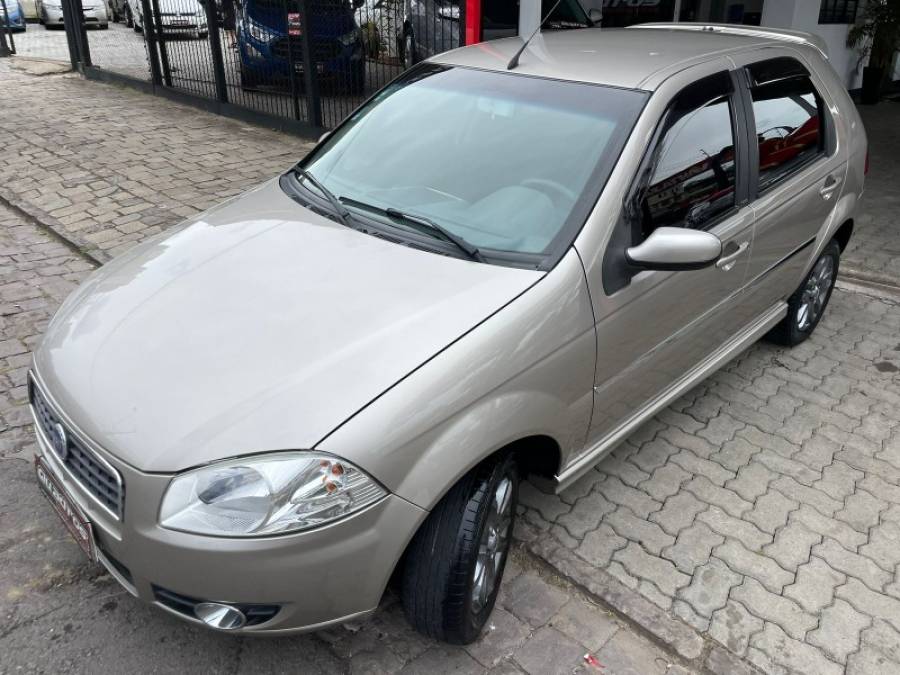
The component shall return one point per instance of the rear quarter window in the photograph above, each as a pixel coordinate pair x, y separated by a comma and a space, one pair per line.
789, 116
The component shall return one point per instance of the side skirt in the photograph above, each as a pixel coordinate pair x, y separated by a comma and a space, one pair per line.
716, 360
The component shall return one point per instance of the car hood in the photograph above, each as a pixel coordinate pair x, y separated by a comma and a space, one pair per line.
257, 326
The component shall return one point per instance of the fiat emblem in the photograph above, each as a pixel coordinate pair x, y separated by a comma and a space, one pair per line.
60, 442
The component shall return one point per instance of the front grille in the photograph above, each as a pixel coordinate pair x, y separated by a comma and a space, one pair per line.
322, 50
183, 604
93, 474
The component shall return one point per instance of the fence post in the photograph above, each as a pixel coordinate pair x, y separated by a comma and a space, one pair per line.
156, 24
76, 12
6, 48
310, 74
215, 45
150, 44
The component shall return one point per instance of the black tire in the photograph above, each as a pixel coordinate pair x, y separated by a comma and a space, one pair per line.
248, 80
358, 78
439, 574
804, 311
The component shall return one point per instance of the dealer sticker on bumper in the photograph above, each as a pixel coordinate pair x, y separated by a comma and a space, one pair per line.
79, 526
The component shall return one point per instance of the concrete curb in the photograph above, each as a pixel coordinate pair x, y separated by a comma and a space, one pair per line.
50, 224
699, 653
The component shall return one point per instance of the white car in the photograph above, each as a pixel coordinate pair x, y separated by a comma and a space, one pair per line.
178, 17
51, 15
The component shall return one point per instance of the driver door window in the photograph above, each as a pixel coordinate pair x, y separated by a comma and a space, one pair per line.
693, 181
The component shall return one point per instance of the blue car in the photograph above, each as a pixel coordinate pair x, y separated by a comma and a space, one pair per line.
270, 42
16, 16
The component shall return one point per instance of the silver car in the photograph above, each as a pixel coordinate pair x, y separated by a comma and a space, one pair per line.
50, 13
490, 271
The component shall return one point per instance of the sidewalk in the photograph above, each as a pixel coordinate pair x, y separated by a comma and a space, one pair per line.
755, 521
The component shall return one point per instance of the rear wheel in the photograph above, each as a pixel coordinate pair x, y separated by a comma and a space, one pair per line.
455, 562
807, 305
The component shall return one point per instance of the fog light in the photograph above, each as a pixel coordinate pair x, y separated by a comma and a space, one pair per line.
217, 615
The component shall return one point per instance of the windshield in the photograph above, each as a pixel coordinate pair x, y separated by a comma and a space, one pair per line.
507, 162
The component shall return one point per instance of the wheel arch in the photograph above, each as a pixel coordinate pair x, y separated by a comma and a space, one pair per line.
843, 233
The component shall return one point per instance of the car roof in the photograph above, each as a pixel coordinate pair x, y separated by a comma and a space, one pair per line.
635, 58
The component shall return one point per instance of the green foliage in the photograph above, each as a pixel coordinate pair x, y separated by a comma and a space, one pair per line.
877, 33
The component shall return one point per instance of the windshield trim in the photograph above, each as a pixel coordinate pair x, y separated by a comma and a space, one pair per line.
571, 228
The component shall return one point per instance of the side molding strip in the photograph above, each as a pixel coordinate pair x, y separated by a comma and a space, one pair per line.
706, 368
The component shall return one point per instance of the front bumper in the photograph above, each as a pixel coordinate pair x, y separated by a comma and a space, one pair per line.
315, 578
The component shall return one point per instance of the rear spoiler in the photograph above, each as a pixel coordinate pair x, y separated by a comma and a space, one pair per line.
782, 34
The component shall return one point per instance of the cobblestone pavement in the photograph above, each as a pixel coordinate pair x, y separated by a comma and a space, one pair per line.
762, 509
60, 613
874, 250
118, 48
109, 166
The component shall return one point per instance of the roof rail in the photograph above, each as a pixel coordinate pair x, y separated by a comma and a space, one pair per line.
783, 34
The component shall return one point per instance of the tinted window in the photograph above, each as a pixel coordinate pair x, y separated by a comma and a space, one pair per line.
788, 114
693, 179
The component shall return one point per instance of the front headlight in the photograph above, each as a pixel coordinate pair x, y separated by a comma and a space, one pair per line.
266, 494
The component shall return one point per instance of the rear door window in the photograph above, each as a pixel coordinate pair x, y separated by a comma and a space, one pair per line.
789, 118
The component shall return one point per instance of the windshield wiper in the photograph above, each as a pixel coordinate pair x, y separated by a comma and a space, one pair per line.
340, 210
466, 247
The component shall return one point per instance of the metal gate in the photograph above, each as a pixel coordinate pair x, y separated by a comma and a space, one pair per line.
306, 62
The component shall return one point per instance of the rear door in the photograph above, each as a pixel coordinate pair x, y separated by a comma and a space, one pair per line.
798, 171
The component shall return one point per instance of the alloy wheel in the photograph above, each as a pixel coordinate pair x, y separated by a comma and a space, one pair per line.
493, 545
815, 294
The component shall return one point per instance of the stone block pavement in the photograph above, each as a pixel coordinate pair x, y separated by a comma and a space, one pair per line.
754, 524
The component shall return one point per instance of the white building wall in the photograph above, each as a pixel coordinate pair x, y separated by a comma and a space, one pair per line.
804, 15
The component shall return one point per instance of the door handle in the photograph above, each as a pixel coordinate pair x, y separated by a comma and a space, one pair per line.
727, 262
832, 183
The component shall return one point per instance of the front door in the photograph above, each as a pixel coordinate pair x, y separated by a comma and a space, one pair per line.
657, 327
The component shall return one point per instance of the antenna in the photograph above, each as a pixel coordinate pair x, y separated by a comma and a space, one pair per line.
514, 61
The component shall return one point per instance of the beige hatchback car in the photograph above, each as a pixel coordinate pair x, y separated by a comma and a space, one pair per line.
489, 271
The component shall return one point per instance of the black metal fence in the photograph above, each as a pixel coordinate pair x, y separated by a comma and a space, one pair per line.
310, 62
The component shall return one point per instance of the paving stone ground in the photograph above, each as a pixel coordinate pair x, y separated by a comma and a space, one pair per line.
875, 247
762, 510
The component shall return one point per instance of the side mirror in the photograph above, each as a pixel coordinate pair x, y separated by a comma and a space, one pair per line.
675, 248
596, 16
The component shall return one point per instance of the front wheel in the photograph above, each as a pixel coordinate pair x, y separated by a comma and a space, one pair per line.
807, 305
455, 561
